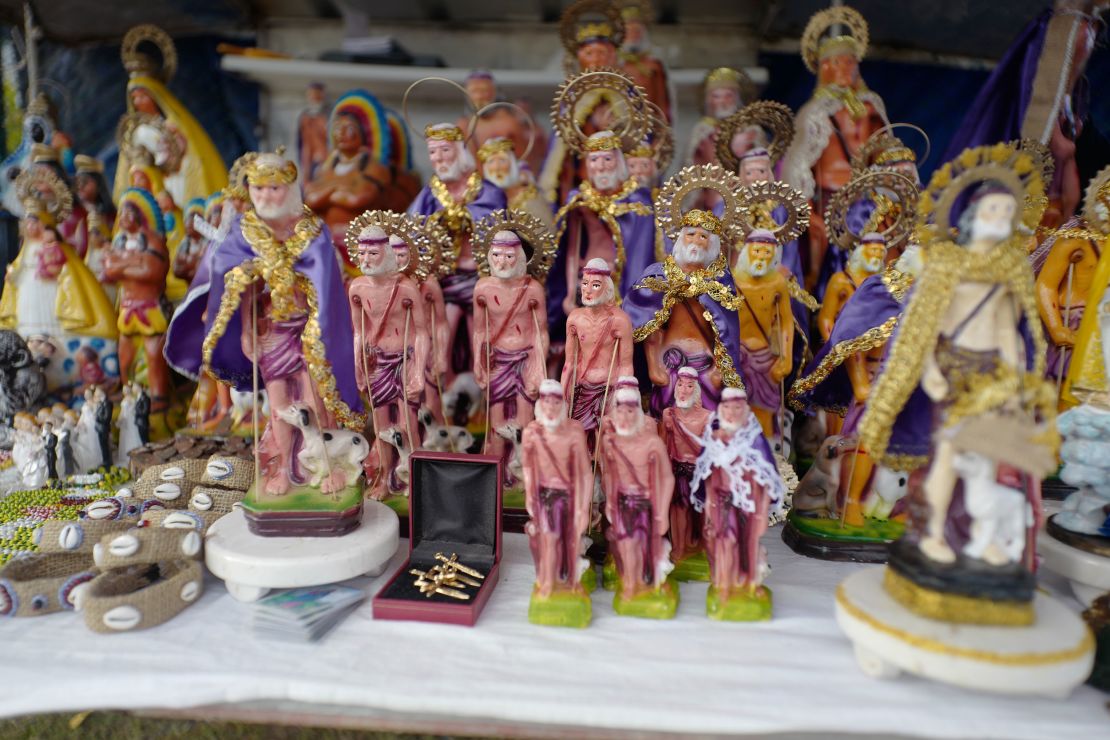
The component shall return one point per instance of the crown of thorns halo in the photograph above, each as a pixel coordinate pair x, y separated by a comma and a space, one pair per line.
421, 259
822, 21
568, 25
1013, 169
884, 140
768, 115
1098, 189
531, 231
782, 194
869, 186
636, 117
668, 204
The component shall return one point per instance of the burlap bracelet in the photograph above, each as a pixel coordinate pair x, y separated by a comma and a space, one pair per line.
43, 583
214, 500
171, 483
228, 472
147, 545
77, 536
140, 596
180, 519
120, 507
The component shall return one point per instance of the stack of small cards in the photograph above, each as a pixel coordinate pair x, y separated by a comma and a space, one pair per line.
304, 613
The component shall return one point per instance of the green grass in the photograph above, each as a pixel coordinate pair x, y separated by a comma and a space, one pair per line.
305, 498
741, 606
873, 530
561, 609
125, 726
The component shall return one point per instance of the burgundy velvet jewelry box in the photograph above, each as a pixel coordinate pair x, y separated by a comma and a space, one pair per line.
454, 508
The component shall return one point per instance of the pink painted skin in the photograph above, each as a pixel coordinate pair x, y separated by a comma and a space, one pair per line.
556, 458
516, 307
597, 54
681, 428
722, 546
643, 169
436, 312
636, 464
381, 305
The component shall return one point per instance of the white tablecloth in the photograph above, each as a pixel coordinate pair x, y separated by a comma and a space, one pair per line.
692, 675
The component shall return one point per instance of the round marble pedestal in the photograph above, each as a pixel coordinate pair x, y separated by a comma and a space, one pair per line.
1087, 572
1049, 658
251, 565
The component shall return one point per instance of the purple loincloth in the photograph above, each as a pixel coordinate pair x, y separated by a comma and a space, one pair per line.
634, 523
458, 288
386, 382
556, 518
588, 398
280, 353
1057, 361
662, 397
851, 419
506, 380
755, 367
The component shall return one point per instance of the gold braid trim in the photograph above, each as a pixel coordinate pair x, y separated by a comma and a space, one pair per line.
848, 97
947, 265
897, 282
526, 194
319, 368
868, 340
608, 209
274, 266
453, 214
1077, 233
680, 286
801, 295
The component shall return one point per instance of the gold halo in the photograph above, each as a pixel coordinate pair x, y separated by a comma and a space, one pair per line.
767, 114
507, 104
637, 119
882, 140
441, 244
130, 54
668, 204
1040, 154
1015, 170
34, 181
796, 205
395, 224
568, 24
1098, 189
529, 228
420, 132
821, 21
862, 187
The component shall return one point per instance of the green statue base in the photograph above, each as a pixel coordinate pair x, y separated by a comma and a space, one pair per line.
564, 608
660, 603
693, 567
304, 511
742, 605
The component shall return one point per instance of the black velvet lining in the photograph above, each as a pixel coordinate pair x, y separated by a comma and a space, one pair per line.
454, 508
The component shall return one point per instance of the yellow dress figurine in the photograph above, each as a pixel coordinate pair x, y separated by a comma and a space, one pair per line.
191, 164
1087, 372
50, 296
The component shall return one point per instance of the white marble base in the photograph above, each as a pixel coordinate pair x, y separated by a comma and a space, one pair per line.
1088, 573
252, 565
1049, 658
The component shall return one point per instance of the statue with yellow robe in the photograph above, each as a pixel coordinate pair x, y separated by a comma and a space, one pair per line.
192, 167
50, 297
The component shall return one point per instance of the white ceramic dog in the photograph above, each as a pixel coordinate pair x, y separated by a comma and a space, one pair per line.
332, 457
999, 514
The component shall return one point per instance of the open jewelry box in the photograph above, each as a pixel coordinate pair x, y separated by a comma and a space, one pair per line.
454, 508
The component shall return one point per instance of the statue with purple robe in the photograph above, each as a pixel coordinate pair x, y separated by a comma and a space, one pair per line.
684, 309
456, 198
271, 321
1037, 92
962, 394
